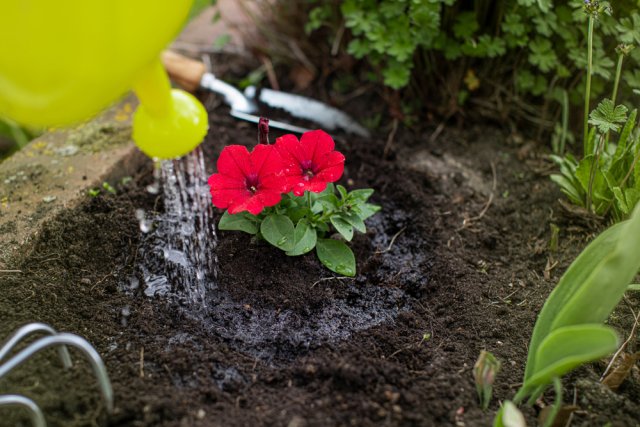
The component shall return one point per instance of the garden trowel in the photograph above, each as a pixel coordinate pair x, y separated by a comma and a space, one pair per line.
191, 75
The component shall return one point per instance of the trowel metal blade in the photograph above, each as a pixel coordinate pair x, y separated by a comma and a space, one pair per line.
272, 123
306, 108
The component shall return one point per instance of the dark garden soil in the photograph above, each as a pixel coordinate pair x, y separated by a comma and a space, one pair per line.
458, 261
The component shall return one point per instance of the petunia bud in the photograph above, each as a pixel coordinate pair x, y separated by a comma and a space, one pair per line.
263, 131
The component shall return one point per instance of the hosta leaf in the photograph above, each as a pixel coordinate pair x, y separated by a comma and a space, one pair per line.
592, 285
566, 348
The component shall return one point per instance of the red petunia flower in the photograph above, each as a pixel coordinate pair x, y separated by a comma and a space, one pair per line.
311, 163
247, 181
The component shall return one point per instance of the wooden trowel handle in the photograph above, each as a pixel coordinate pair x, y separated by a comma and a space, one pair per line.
186, 72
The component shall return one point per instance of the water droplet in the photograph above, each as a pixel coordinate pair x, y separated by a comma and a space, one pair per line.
145, 225
153, 188
282, 241
328, 264
306, 249
126, 312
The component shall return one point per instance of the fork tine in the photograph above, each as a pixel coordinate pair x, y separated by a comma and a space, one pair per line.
81, 344
37, 417
29, 329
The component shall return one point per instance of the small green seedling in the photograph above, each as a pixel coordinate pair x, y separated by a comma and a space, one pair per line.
109, 188
484, 373
570, 331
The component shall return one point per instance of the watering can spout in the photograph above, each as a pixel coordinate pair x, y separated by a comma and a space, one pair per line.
169, 123
63, 62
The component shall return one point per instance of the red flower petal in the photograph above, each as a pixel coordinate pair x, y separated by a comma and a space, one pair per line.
315, 144
332, 169
235, 161
290, 149
226, 190
265, 160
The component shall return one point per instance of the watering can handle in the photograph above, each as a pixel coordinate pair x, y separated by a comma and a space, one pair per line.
184, 71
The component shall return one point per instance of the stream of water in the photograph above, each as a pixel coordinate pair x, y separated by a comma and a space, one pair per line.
178, 256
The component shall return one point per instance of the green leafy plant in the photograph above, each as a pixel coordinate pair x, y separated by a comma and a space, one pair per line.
284, 194
523, 51
297, 225
569, 330
604, 181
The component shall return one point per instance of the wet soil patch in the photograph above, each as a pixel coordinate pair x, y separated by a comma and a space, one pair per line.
454, 264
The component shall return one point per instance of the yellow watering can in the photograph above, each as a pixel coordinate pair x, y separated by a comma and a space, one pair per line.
62, 61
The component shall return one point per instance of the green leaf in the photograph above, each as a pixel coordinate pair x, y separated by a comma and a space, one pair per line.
583, 173
336, 256
621, 201
396, 75
366, 210
466, 25
304, 237
567, 187
242, 221
568, 347
342, 227
624, 135
592, 285
343, 192
354, 220
542, 54
607, 117
629, 29
362, 194
279, 231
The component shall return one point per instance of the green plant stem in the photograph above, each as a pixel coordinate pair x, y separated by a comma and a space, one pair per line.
616, 82
587, 92
557, 404
565, 121
592, 172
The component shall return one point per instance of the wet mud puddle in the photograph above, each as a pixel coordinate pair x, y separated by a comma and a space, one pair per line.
177, 263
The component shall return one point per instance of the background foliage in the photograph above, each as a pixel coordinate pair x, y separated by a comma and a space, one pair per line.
508, 57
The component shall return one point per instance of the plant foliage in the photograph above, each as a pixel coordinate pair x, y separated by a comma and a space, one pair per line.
518, 49
569, 331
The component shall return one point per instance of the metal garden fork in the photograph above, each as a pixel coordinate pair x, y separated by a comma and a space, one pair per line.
53, 338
